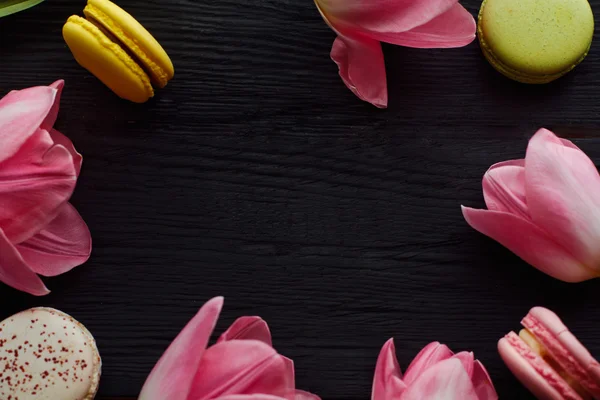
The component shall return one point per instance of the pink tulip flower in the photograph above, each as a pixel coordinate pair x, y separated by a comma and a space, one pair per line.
361, 25
40, 232
242, 365
435, 373
545, 208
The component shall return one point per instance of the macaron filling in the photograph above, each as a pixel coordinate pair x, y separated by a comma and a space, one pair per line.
119, 36
562, 345
539, 349
90, 17
108, 41
537, 366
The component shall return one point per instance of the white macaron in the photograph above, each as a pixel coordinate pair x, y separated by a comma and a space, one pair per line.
46, 354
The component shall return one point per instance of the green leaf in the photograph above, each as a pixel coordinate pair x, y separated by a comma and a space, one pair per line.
8, 7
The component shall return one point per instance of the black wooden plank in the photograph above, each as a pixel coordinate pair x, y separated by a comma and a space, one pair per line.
257, 175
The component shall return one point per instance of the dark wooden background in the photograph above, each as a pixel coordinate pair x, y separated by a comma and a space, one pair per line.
258, 176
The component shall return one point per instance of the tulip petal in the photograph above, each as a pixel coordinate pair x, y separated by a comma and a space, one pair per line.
302, 395
64, 141
249, 397
296, 394
15, 272
529, 242
504, 188
61, 246
58, 137
446, 380
289, 371
431, 354
53, 113
173, 375
467, 360
568, 143
21, 114
483, 383
387, 383
34, 183
375, 17
299, 395
362, 68
241, 367
563, 195
454, 28
248, 328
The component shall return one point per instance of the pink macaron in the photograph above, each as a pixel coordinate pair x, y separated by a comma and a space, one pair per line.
549, 360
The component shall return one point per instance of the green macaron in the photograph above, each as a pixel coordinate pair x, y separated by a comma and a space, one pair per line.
535, 41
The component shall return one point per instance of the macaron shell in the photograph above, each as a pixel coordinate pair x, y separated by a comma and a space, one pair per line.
513, 73
94, 51
135, 37
532, 371
564, 347
535, 41
47, 355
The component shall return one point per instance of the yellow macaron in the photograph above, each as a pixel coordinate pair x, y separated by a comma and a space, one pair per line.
535, 41
118, 50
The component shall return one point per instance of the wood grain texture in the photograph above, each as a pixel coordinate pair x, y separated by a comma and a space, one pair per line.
258, 176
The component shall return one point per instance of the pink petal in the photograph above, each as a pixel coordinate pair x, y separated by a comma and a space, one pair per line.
387, 383
62, 245
362, 68
563, 195
64, 141
467, 360
173, 375
53, 114
483, 383
454, 28
21, 114
249, 397
296, 394
446, 380
431, 354
529, 242
241, 367
568, 143
15, 272
248, 328
504, 188
376, 17
34, 183
302, 395
289, 371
